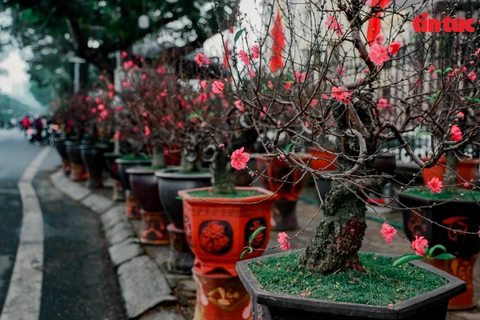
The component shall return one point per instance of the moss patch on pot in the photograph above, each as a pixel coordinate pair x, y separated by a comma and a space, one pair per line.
237, 194
136, 157
458, 194
380, 285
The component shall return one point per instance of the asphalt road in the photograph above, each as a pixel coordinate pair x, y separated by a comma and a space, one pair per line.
78, 279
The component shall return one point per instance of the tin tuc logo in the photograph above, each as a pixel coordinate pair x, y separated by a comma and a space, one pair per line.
422, 23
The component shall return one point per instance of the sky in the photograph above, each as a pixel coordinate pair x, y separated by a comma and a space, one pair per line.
16, 84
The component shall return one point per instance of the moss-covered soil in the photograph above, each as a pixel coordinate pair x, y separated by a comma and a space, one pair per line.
380, 285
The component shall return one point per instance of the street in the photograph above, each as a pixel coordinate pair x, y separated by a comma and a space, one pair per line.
76, 278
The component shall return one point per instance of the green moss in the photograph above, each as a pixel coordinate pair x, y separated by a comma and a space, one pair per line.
132, 157
380, 285
237, 194
468, 195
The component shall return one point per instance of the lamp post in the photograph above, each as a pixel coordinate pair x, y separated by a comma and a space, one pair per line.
76, 72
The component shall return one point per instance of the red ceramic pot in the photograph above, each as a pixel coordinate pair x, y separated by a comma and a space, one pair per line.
466, 169
218, 229
326, 160
221, 296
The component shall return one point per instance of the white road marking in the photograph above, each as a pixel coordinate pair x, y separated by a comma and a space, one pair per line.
24, 292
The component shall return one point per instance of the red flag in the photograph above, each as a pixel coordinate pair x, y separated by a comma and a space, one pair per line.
276, 62
374, 26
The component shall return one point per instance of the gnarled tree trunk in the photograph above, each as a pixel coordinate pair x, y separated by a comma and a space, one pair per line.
158, 160
223, 175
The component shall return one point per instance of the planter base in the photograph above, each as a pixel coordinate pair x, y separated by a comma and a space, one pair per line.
154, 228
78, 173
95, 179
66, 166
221, 296
133, 208
118, 194
462, 269
181, 257
284, 215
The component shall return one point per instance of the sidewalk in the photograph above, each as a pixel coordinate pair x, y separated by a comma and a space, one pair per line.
152, 293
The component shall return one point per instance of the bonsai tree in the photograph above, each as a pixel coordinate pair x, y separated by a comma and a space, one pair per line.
342, 77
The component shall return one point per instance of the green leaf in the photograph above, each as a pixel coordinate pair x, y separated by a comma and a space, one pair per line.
444, 256
254, 234
406, 258
476, 99
430, 99
290, 78
195, 114
264, 87
179, 198
414, 36
242, 254
448, 70
437, 71
238, 35
435, 247
467, 97
288, 147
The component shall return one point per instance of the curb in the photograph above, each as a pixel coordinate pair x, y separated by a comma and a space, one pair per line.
142, 283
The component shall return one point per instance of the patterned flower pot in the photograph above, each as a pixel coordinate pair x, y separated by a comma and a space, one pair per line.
112, 168
221, 296
78, 171
124, 163
62, 151
169, 182
92, 156
276, 306
466, 169
218, 228
154, 220
454, 214
284, 208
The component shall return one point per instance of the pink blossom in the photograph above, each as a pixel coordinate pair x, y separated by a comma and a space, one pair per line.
110, 86
431, 68
477, 53
203, 84
464, 69
270, 84
239, 159
388, 232
128, 64
111, 95
244, 57
394, 47
179, 125
435, 185
314, 102
160, 70
460, 115
472, 76
378, 55
147, 131
455, 133
419, 245
144, 76
383, 103
200, 59
117, 135
305, 294
339, 94
283, 241
288, 85
94, 110
333, 24
251, 73
255, 52
340, 71
124, 54
126, 84
299, 76
218, 86
239, 105
324, 96
101, 107
379, 39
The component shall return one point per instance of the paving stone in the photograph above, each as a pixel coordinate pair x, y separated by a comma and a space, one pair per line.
113, 216
97, 203
188, 285
119, 232
163, 315
72, 189
125, 251
466, 315
143, 286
